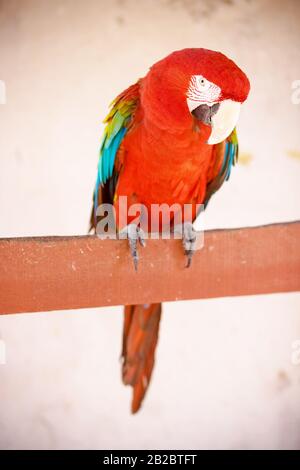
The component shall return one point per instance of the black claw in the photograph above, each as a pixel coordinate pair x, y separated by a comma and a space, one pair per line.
135, 262
135, 256
133, 239
189, 256
142, 242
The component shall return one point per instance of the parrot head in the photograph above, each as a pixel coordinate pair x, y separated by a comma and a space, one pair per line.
196, 84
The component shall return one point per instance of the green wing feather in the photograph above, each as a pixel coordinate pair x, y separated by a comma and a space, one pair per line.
117, 123
229, 160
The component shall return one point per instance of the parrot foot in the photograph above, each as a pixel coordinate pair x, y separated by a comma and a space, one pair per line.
189, 240
134, 234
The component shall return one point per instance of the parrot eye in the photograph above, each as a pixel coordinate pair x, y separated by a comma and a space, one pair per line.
202, 83
203, 91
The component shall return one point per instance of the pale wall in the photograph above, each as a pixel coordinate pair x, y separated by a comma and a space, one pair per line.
224, 376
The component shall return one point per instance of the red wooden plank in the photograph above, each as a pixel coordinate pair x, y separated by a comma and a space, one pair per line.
54, 273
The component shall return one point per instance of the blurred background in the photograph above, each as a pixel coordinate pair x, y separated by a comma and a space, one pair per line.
224, 375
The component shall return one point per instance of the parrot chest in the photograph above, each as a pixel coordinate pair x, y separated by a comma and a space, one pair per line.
168, 169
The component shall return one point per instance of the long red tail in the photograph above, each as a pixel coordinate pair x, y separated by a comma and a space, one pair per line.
141, 325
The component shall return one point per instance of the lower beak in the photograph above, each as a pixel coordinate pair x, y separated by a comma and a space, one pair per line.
222, 117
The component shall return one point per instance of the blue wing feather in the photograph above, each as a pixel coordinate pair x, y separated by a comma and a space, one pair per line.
107, 160
229, 160
115, 130
118, 121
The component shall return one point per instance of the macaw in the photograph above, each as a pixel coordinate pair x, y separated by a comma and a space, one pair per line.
169, 138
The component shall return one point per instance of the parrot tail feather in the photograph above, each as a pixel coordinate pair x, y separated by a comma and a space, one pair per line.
141, 325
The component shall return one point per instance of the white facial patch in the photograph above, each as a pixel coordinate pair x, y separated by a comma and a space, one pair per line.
201, 91
223, 121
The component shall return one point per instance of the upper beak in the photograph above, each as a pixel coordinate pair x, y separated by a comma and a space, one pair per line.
222, 117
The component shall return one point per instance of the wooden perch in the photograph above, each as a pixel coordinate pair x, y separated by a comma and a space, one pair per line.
58, 273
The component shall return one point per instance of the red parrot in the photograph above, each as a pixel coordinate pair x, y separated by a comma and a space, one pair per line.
169, 139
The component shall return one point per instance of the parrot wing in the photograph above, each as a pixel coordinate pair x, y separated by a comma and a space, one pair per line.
226, 156
119, 120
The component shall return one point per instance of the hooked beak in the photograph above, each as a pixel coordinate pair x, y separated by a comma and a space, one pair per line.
222, 117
